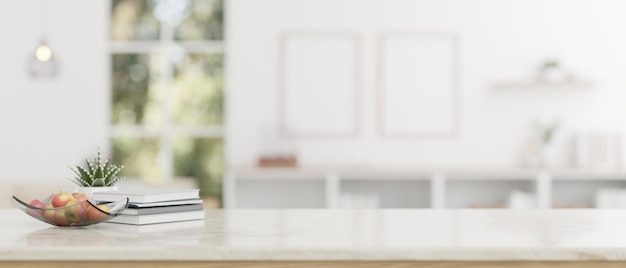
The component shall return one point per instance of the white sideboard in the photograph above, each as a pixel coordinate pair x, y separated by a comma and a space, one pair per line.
422, 188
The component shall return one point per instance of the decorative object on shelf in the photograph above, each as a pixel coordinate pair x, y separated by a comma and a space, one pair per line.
274, 151
549, 75
521, 200
552, 72
536, 151
97, 176
610, 198
67, 210
598, 150
278, 161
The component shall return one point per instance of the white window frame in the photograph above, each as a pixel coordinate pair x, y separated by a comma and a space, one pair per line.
167, 130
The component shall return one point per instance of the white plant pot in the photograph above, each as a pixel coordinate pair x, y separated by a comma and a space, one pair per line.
90, 190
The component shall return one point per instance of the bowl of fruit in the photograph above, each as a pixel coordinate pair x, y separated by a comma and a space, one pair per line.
71, 209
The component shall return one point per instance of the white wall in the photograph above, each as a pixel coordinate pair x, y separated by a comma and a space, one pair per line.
500, 40
47, 125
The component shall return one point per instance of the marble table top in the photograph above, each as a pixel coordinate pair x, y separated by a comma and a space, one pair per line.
330, 235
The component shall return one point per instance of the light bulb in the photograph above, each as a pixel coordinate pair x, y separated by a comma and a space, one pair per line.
43, 53
43, 64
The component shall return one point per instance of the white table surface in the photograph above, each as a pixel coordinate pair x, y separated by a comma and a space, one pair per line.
324, 235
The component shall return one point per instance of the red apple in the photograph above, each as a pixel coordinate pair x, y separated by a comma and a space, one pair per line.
38, 204
76, 211
61, 199
96, 215
80, 196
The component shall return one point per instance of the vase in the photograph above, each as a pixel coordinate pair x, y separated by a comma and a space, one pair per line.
91, 190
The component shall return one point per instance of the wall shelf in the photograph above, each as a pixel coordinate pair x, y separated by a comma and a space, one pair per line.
538, 85
406, 188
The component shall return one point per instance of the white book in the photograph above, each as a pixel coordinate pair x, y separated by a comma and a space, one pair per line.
158, 218
166, 203
146, 195
161, 209
125, 230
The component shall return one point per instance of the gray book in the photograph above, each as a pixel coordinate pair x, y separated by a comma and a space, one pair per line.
162, 209
166, 203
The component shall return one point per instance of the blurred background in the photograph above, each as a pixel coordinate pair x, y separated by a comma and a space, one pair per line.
320, 103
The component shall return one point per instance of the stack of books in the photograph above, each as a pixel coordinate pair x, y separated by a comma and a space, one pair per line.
150, 206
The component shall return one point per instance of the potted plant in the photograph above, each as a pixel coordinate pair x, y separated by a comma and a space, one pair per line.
96, 176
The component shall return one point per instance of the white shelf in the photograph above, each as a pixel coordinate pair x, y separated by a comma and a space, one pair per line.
377, 177
589, 176
412, 188
280, 194
282, 177
537, 85
390, 193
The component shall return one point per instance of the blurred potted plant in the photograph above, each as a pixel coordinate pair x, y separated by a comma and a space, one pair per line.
552, 72
537, 149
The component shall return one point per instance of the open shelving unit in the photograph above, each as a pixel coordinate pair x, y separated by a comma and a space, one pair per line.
405, 188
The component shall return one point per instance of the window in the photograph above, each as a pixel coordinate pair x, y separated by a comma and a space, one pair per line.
167, 90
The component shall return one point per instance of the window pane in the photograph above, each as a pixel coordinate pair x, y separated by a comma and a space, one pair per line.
201, 160
140, 157
198, 95
203, 22
133, 20
135, 90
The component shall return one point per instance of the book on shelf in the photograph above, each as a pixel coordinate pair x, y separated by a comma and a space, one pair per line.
147, 195
159, 218
161, 209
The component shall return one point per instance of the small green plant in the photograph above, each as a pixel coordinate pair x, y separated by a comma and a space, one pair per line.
96, 173
546, 132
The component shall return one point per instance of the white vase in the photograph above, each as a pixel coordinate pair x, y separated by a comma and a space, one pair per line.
90, 190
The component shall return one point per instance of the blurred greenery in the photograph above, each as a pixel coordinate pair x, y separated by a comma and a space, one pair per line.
196, 97
135, 94
204, 21
140, 157
202, 159
133, 20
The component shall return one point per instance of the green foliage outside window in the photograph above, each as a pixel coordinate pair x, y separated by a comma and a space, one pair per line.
195, 94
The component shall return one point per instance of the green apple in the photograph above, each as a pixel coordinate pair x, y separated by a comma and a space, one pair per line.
76, 211
60, 218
